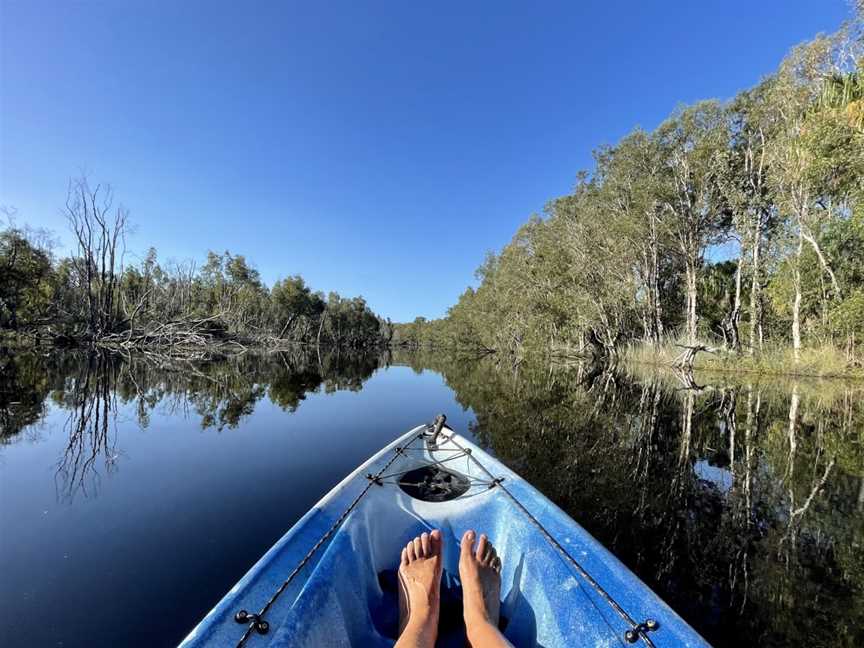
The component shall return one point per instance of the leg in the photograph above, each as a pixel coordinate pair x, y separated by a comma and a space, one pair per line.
480, 572
420, 591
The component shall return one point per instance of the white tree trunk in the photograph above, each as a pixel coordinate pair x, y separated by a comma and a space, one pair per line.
796, 304
755, 315
823, 261
691, 302
655, 282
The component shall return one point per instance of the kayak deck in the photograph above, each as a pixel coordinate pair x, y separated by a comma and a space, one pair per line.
344, 593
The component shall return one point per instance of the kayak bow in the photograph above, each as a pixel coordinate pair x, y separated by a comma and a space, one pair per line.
330, 581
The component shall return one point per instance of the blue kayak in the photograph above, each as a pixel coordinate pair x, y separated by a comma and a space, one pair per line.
331, 580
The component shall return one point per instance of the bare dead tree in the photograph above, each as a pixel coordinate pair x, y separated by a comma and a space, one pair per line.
100, 231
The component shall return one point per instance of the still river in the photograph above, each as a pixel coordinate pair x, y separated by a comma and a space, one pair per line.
135, 492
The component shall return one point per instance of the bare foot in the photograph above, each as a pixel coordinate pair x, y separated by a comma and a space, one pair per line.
480, 573
420, 590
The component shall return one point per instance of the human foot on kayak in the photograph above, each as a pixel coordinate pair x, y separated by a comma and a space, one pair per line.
420, 591
480, 573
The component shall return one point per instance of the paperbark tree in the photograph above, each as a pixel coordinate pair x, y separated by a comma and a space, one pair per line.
696, 213
814, 158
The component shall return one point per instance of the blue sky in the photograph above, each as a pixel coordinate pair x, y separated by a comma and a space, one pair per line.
376, 148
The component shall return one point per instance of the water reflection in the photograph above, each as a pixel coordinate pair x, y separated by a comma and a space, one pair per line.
91, 400
92, 387
24, 387
741, 503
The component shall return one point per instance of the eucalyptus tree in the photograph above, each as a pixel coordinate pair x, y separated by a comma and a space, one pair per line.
814, 158
697, 214
527, 283
462, 327
631, 175
293, 304
601, 265
25, 288
753, 122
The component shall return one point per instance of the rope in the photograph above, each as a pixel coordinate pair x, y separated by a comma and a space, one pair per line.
428, 464
634, 626
258, 618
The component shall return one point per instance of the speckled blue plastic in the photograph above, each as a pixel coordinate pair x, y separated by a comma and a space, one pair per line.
344, 595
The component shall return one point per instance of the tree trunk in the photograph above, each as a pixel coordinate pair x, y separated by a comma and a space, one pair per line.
796, 304
654, 288
731, 336
288, 324
320, 328
691, 301
824, 262
755, 310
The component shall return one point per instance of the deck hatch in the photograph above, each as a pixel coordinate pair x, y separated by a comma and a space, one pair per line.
434, 484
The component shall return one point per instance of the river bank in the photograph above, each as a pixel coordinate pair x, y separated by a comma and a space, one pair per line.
826, 361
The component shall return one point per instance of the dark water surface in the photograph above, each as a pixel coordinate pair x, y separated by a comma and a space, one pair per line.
135, 493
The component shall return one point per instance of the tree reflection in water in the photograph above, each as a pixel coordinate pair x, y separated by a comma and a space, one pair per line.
90, 399
741, 503
93, 387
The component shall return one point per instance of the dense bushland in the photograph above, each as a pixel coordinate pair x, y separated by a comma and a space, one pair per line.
736, 224
93, 296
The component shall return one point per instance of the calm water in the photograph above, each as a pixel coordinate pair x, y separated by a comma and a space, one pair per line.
134, 493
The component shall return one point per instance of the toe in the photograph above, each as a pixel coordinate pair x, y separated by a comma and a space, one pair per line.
435, 541
404, 558
426, 544
409, 549
467, 546
481, 547
418, 547
496, 564
491, 554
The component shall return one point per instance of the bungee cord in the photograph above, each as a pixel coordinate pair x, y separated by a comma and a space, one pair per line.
637, 630
257, 621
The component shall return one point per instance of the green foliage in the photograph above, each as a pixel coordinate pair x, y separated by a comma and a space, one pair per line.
847, 317
25, 279
738, 502
776, 176
225, 297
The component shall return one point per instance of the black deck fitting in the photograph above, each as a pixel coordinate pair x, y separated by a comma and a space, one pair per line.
260, 625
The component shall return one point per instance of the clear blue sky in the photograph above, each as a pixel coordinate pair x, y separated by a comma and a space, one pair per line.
376, 148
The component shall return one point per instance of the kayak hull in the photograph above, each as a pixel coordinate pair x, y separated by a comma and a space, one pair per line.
345, 593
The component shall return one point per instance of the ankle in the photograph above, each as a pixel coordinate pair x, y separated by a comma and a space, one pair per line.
478, 629
422, 619
475, 616
421, 631
424, 632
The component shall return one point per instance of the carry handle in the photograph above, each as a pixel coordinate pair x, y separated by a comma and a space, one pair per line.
437, 426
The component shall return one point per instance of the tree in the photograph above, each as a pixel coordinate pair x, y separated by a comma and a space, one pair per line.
815, 156
632, 176
745, 183
291, 300
697, 214
99, 229
25, 279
